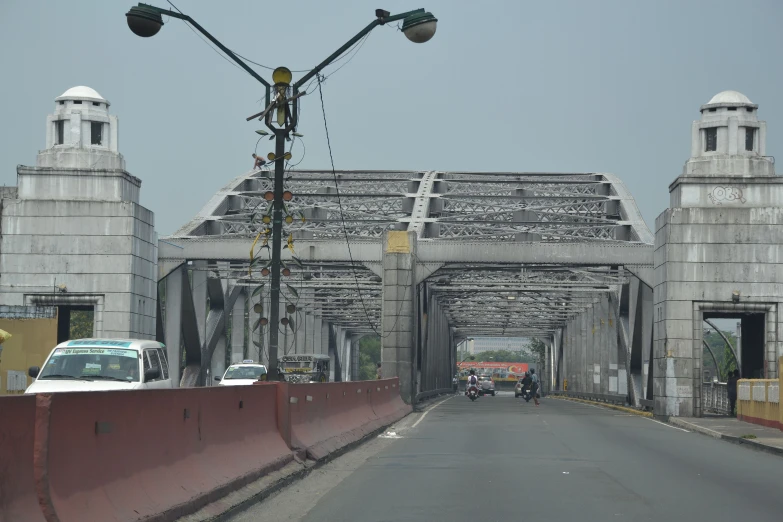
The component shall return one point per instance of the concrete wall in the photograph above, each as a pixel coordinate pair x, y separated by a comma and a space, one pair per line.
105, 253
702, 256
591, 359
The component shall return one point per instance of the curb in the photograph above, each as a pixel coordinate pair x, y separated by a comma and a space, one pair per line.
605, 405
749, 443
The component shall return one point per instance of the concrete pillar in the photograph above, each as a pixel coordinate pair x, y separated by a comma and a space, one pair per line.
309, 333
354, 358
300, 333
315, 345
238, 330
199, 291
218, 366
172, 327
325, 328
398, 355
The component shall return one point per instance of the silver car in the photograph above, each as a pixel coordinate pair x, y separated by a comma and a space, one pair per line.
486, 385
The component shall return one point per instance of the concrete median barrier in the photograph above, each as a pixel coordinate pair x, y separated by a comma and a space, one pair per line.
157, 455
387, 402
152, 455
18, 499
327, 417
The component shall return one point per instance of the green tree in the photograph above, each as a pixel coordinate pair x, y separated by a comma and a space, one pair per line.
81, 324
537, 347
503, 356
723, 354
369, 357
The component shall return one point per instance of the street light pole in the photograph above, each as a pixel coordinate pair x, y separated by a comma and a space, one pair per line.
418, 26
277, 247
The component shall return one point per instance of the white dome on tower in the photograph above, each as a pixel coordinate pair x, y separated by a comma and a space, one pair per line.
729, 97
81, 92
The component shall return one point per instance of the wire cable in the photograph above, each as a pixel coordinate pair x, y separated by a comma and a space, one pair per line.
345, 232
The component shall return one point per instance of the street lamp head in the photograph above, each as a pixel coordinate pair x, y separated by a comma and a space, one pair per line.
282, 75
144, 20
420, 27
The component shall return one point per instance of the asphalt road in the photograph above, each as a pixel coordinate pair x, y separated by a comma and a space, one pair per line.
500, 459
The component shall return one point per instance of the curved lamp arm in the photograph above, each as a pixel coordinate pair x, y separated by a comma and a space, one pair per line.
212, 39
381, 20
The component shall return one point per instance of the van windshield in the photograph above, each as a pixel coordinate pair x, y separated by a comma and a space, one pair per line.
245, 372
114, 364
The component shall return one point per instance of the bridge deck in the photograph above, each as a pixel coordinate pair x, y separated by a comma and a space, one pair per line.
560, 461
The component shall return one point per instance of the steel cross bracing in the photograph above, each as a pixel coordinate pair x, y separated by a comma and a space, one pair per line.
508, 253
525, 300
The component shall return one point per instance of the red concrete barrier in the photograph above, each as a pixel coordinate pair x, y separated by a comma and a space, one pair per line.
152, 454
157, 455
387, 403
18, 500
327, 417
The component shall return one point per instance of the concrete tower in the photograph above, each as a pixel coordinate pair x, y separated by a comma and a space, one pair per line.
717, 250
73, 234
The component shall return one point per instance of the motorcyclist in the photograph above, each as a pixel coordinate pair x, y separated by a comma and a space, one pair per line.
527, 382
472, 381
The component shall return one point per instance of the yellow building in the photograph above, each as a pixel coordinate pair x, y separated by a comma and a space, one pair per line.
33, 335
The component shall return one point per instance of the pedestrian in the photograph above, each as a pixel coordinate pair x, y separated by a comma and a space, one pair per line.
378, 372
259, 162
535, 385
455, 383
731, 389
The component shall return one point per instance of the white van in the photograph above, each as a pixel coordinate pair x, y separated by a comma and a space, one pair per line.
102, 365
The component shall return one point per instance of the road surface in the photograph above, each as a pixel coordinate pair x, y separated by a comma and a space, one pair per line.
501, 459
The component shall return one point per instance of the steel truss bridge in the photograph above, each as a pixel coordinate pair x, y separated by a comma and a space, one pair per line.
488, 254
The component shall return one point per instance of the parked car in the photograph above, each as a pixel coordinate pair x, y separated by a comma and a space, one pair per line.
486, 385
246, 372
102, 365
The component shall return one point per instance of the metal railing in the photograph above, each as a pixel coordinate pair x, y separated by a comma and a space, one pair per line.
433, 393
715, 397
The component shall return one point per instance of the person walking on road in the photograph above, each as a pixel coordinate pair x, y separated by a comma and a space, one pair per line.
535, 385
731, 389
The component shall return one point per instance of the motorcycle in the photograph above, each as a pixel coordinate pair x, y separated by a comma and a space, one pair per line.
472, 392
527, 394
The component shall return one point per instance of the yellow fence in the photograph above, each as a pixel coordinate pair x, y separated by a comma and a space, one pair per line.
31, 342
758, 400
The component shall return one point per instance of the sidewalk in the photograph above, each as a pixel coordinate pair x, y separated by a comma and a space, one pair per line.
766, 439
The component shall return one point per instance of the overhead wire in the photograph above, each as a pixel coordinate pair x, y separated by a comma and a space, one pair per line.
345, 231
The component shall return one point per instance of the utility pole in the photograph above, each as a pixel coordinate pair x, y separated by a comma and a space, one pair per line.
418, 26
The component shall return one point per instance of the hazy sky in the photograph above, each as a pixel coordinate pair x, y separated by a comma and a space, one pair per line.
559, 86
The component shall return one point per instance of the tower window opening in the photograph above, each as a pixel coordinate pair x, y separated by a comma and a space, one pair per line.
713, 109
749, 109
59, 127
62, 102
750, 133
732, 108
96, 135
77, 102
97, 104
711, 139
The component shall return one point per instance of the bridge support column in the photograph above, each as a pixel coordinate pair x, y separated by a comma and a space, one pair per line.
238, 329
172, 327
398, 353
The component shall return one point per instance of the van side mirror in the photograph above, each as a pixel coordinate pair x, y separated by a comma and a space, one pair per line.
150, 374
217, 379
33, 371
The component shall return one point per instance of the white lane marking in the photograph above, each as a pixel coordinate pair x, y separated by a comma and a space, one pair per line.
667, 425
426, 412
